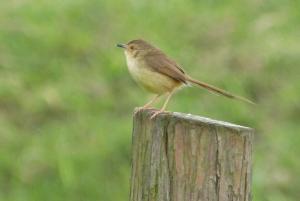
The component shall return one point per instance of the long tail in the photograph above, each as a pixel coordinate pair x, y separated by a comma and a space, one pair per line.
218, 90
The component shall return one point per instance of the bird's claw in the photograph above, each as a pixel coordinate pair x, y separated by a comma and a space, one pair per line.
156, 113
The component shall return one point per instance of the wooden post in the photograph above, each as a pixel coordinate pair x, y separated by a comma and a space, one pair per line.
180, 157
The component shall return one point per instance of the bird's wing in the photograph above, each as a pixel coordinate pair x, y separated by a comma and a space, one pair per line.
159, 62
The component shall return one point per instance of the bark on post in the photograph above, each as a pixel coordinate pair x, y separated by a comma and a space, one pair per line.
180, 157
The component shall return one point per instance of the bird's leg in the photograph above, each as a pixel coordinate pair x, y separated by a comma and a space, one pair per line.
164, 106
151, 101
147, 104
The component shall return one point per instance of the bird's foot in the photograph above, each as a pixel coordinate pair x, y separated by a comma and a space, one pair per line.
156, 113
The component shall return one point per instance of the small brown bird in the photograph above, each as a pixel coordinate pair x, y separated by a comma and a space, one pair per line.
157, 73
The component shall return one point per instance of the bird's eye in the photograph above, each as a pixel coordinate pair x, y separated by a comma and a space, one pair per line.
131, 47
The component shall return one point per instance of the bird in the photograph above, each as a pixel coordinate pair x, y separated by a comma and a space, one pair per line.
157, 73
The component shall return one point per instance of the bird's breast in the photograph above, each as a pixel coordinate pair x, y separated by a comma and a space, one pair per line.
150, 80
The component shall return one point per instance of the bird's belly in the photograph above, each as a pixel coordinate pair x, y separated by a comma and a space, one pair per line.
152, 81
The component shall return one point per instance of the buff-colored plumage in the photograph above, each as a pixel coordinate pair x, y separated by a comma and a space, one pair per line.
157, 73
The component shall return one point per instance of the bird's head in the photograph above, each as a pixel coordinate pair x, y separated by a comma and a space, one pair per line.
136, 48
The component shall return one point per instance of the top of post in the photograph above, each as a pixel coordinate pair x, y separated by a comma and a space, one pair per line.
191, 118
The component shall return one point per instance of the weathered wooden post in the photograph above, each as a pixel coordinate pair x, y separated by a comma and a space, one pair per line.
179, 157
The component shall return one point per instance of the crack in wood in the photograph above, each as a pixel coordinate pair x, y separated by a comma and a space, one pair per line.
217, 165
176, 157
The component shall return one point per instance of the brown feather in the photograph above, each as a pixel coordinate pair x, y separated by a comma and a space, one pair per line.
156, 61
218, 90
159, 62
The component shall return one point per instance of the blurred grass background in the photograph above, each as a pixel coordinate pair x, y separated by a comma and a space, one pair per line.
66, 98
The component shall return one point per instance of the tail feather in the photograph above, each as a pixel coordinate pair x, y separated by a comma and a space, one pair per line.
218, 90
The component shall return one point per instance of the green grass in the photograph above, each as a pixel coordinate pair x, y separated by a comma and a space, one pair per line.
66, 98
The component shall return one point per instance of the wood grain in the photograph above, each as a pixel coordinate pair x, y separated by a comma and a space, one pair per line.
179, 157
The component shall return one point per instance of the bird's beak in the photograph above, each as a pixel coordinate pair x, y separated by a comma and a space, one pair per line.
121, 45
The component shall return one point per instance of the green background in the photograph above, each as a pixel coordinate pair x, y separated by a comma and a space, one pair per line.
66, 97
